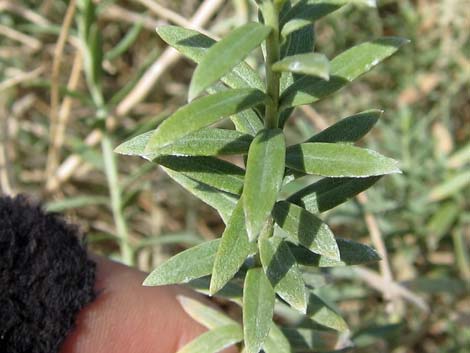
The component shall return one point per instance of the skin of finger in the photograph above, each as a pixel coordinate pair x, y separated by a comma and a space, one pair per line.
127, 317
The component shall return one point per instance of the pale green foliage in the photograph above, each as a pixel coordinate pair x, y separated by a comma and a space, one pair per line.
270, 241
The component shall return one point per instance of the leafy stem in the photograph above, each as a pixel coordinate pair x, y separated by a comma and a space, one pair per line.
271, 18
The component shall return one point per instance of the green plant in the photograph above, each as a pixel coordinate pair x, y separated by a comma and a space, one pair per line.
270, 241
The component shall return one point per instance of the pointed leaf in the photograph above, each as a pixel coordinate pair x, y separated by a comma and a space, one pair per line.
306, 12
226, 54
193, 263
263, 179
204, 142
214, 341
258, 309
194, 45
322, 313
211, 171
345, 68
350, 129
223, 202
233, 250
276, 341
298, 42
351, 253
201, 113
338, 160
312, 64
204, 314
330, 192
247, 122
306, 229
282, 271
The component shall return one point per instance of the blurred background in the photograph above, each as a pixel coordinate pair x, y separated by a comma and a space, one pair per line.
56, 138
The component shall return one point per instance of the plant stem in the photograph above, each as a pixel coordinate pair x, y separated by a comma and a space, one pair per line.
271, 19
110, 163
116, 200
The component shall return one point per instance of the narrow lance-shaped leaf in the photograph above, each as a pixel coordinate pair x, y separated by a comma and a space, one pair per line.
233, 250
281, 269
306, 12
201, 113
204, 314
276, 341
224, 55
328, 193
345, 68
350, 129
194, 45
223, 202
193, 263
312, 64
214, 341
306, 229
263, 178
322, 313
351, 253
338, 160
211, 171
258, 309
204, 142
246, 121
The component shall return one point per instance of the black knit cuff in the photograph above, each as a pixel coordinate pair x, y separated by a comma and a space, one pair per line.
46, 277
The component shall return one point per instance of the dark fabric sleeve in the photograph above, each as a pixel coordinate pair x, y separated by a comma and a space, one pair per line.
46, 277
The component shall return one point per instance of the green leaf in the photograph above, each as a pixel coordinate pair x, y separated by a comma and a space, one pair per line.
214, 341
322, 313
263, 178
328, 193
306, 12
190, 264
276, 341
258, 309
204, 142
194, 45
201, 113
338, 160
306, 229
223, 202
350, 129
204, 314
247, 122
345, 68
211, 171
282, 271
233, 250
351, 253
312, 64
226, 54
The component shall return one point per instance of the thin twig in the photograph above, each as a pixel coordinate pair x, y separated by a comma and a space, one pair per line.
8, 5
52, 161
29, 41
318, 120
377, 240
20, 78
169, 15
116, 12
57, 138
377, 282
